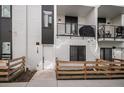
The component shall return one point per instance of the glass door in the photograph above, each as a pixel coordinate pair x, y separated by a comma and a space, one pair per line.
106, 54
77, 53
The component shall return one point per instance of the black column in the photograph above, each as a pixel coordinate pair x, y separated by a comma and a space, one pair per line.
5, 34
47, 24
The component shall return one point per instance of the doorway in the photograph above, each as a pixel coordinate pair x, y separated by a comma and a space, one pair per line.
77, 53
106, 54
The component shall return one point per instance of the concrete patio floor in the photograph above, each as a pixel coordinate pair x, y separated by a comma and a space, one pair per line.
48, 79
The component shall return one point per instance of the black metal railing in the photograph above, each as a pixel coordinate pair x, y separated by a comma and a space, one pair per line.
111, 31
75, 30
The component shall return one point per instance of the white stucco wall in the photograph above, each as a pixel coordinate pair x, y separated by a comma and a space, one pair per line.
19, 30
63, 47
34, 35
26, 31
49, 49
63, 43
91, 18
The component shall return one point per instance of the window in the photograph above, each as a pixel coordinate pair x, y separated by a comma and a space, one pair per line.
47, 24
71, 25
6, 50
47, 18
6, 11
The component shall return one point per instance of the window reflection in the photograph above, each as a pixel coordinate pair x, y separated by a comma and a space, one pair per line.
6, 11
47, 18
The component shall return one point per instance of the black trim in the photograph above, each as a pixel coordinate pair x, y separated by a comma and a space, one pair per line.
48, 32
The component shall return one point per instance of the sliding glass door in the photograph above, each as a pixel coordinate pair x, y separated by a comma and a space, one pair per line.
106, 53
77, 53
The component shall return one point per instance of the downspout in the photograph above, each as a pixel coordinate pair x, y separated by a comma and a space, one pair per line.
43, 57
26, 35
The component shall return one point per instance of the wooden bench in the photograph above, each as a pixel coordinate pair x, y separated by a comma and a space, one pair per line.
10, 69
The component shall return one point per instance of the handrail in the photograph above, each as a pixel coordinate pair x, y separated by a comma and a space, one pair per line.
63, 31
109, 25
79, 24
114, 32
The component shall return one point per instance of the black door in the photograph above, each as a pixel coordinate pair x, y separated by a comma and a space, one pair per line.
77, 53
106, 53
5, 32
73, 53
81, 53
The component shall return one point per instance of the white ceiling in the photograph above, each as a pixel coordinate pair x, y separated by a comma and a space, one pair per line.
110, 11
73, 10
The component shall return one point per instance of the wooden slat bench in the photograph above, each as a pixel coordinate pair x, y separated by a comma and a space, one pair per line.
99, 69
10, 69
